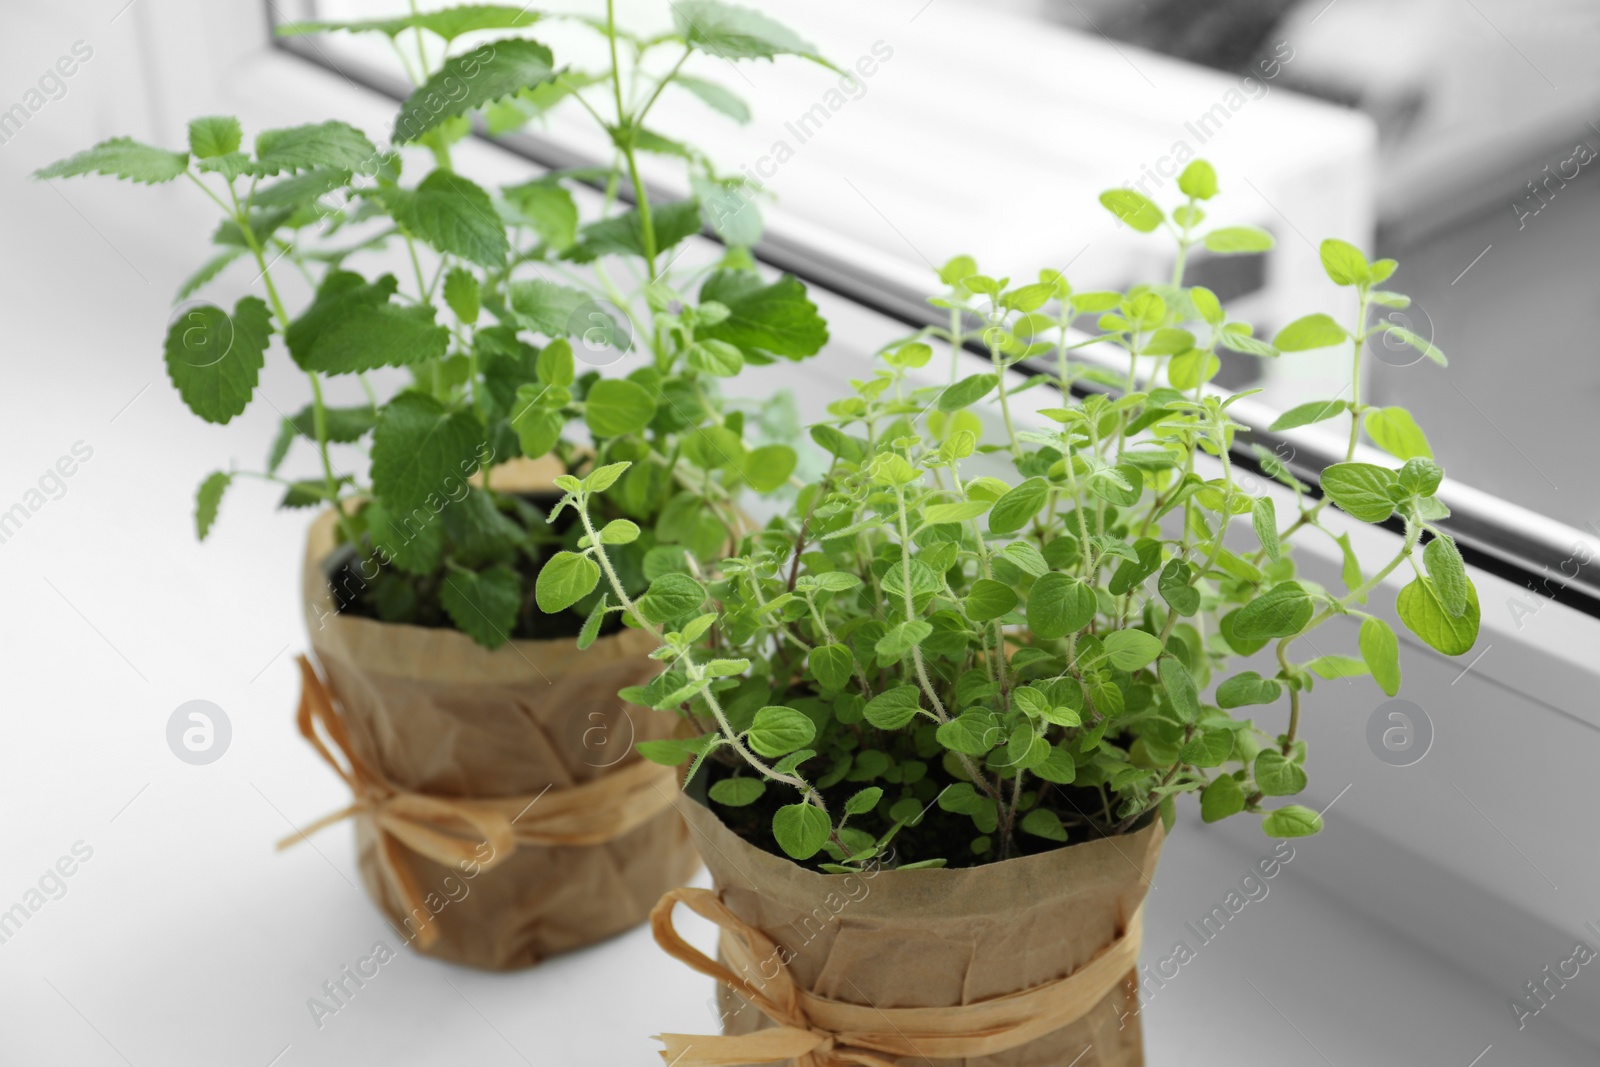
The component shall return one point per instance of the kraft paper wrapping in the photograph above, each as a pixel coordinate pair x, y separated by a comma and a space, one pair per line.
441, 715
936, 938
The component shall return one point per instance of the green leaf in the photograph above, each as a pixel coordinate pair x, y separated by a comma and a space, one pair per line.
738, 792
548, 308
623, 235
453, 215
894, 708
1397, 433
1134, 209
1058, 767
768, 467
1422, 609
1264, 517
671, 596
591, 625
1360, 489
300, 190
1175, 588
121, 157
214, 359
832, 665
422, 451
1421, 344
1277, 776
462, 294
1239, 240
777, 731
1198, 180
864, 801
961, 511
538, 428
1222, 798
728, 32
967, 391
1059, 605
776, 319
715, 96
387, 335
214, 136
1344, 263
1210, 748
972, 733
1337, 667
617, 406
467, 81
483, 604
1381, 651
327, 144
1312, 331
619, 532
207, 500
988, 600
1247, 688
1282, 611
1449, 574
1042, 822
449, 23
1292, 821
669, 752
549, 209
1129, 650
800, 830
1177, 681
1014, 510
565, 579
716, 358
1306, 414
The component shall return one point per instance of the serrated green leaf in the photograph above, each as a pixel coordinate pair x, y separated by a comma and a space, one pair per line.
1247, 688
565, 579
1282, 611
208, 500
1222, 798
121, 157
483, 604
727, 32
1059, 605
893, 709
832, 665
1397, 433
671, 596
214, 359
988, 600
332, 144
716, 96
422, 450
470, 80
1277, 776
777, 731
777, 319
454, 215
1292, 821
214, 136
1042, 822
623, 234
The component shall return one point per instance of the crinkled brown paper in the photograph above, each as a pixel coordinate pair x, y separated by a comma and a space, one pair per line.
439, 714
930, 938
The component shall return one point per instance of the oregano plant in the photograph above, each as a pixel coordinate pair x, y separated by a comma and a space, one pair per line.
473, 323
981, 634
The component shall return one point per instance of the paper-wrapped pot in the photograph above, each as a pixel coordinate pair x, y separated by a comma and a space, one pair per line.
435, 714
946, 937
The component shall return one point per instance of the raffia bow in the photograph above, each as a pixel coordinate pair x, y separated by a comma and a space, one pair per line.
815, 1031
450, 830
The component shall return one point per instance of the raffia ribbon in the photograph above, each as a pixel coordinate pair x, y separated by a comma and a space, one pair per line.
815, 1031
450, 830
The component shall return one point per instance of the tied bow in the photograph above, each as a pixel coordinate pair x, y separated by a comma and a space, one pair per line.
816, 1031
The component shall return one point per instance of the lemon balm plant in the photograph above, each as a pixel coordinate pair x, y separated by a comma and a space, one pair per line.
495, 293
474, 325
978, 644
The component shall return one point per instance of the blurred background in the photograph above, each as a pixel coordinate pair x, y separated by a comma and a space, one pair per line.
1457, 136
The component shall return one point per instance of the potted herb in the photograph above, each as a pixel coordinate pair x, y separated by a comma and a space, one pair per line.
937, 718
502, 814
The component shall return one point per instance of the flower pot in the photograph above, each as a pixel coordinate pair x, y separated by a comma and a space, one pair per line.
1030, 962
502, 814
